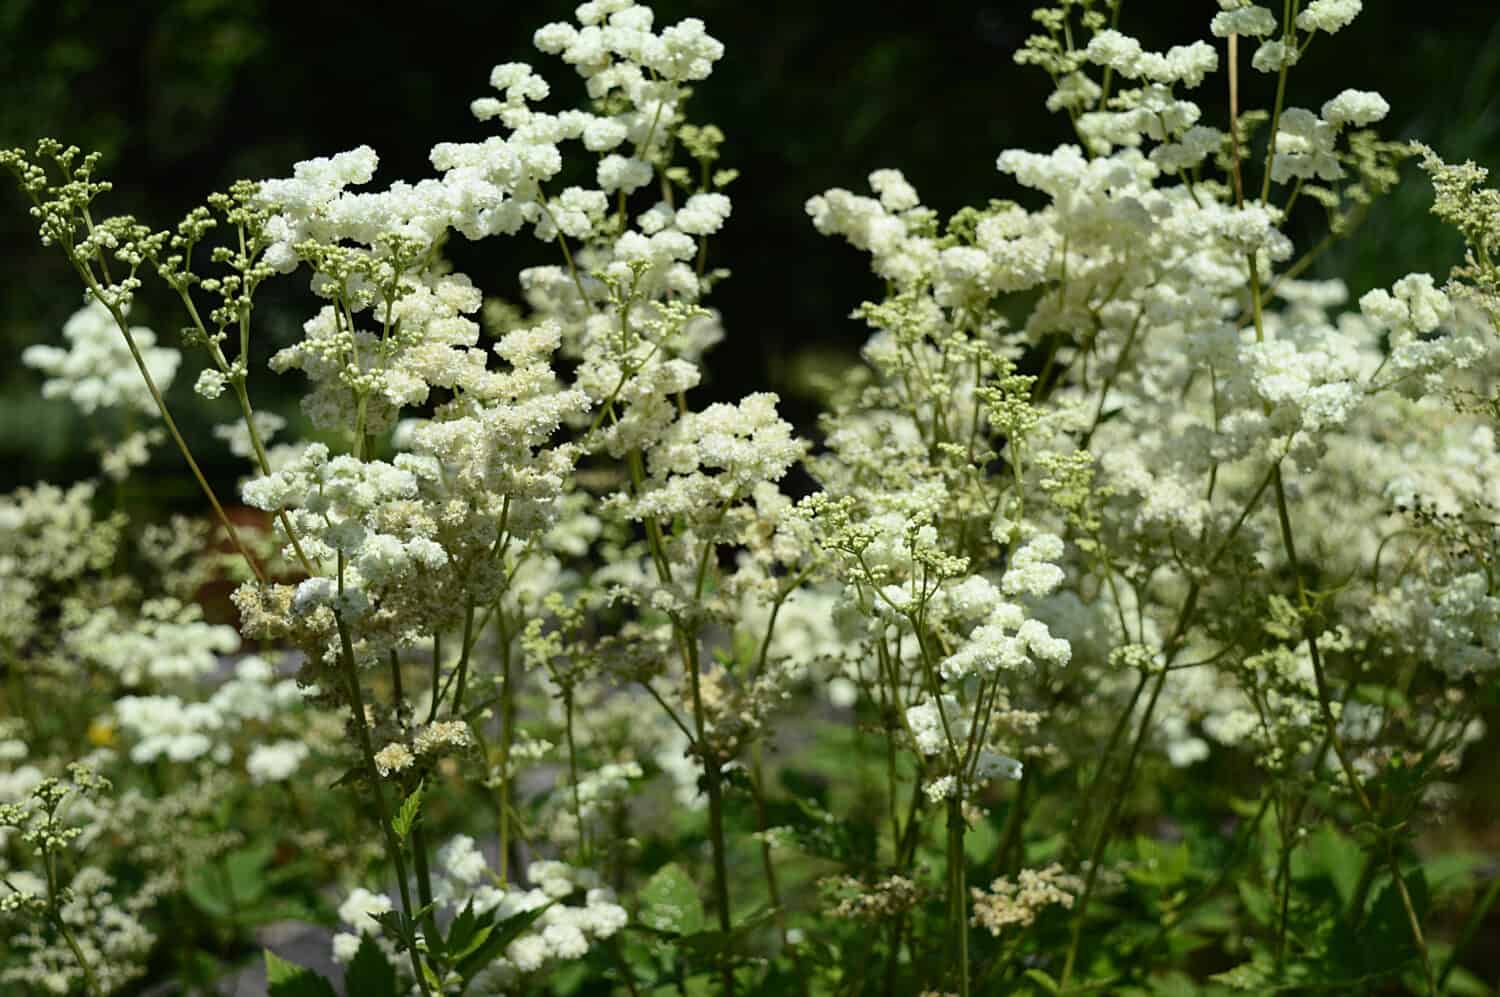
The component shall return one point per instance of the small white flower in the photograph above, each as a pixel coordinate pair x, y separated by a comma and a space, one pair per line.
359, 909
210, 383
394, 757
1355, 107
1328, 15
275, 762
1252, 21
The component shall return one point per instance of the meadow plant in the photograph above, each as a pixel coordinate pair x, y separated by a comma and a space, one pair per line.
1130, 572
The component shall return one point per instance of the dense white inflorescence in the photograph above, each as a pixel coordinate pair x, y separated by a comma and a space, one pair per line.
1112, 475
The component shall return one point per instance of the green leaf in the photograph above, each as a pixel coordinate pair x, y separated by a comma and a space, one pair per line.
472, 944
822, 834
207, 893
1462, 983
712, 944
1336, 856
670, 903
433, 982
499, 935
1258, 903
369, 975
397, 927
246, 868
410, 810
1380, 695
234, 888
1453, 873
1385, 940
287, 979
1042, 980
467, 932
271, 910
1159, 864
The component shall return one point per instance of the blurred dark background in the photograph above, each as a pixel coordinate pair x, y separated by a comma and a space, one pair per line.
185, 96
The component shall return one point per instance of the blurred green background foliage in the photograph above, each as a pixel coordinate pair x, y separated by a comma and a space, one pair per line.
185, 96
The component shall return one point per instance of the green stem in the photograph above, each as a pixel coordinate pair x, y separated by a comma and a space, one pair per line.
713, 781
171, 424
1470, 929
773, 890
397, 693
437, 674
957, 876
1116, 803
1284, 879
1010, 832
1172, 647
1288, 28
382, 813
583, 845
507, 737
463, 661
1320, 679
247, 413
90, 988
1085, 803
424, 878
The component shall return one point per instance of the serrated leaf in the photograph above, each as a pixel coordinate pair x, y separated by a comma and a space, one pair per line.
409, 813
396, 927
472, 944
500, 935
287, 979
467, 932
670, 903
369, 975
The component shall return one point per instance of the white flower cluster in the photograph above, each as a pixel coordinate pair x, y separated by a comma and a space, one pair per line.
256, 693
106, 928
493, 186
275, 762
707, 460
180, 728
1329, 15
1305, 142
1066, 472
167, 642
1251, 20
96, 370
422, 340
564, 931
167, 727
1184, 64
934, 723
359, 911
